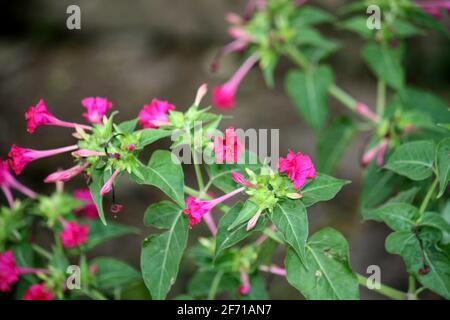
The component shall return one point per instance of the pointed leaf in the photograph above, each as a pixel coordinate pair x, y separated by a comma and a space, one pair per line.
291, 221
322, 188
309, 92
327, 274
443, 164
161, 256
112, 273
413, 160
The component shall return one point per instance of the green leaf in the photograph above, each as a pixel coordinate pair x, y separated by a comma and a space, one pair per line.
417, 15
413, 160
148, 136
404, 29
99, 233
406, 196
308, 15
161, 215
327, 274
95, 187
332, 144
164, 174
247, 212
358, 24
112, 273
408, 245
291, 221
443, 164
200, 284
161, 256
309, 92
435, 220
258, 289
227, 238
427, 103
398, 216
385, 63
127, 126
322, 188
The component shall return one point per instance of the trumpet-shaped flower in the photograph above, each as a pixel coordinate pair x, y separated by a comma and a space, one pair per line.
224, 96
20, 157
8, 182
96, 108
196, 209
39, 116
88, 208
66, 175
298, 168
154, 115
38, 292
73, 234
228, 148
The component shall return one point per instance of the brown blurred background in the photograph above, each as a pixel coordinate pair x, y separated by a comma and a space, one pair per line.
133, 51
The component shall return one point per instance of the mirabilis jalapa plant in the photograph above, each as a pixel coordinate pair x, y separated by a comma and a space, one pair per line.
407, 161
271, 209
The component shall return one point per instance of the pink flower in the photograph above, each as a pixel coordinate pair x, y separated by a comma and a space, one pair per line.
364, 111
377, 151
108, 184
9, 273
20, 157
96, 108
73, 234
434, 7
228, 148
83, 153
298, 167
39, 116
239, 178
224, 96
196, 209
38, 292
244, 289
154, 115
88, 209
8, 182
66, 175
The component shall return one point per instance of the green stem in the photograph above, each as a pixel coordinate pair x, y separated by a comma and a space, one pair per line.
384, 290
381, 97
343, 97
41, 251
198, 171
297, 57
272, 235
215, 285
427, 198
412, 288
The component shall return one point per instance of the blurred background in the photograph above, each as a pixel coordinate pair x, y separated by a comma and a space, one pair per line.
133, 51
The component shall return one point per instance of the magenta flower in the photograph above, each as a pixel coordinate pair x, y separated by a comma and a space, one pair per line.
73, 234
96, 108
434, 7
364, 111
88, 209
244, 289
154, 115
38, 292
9, 274
196, 209
66, 175
39, 116
8, 182
298, 167
224, 96
228, 148
239, 178
108, 184
20, 157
